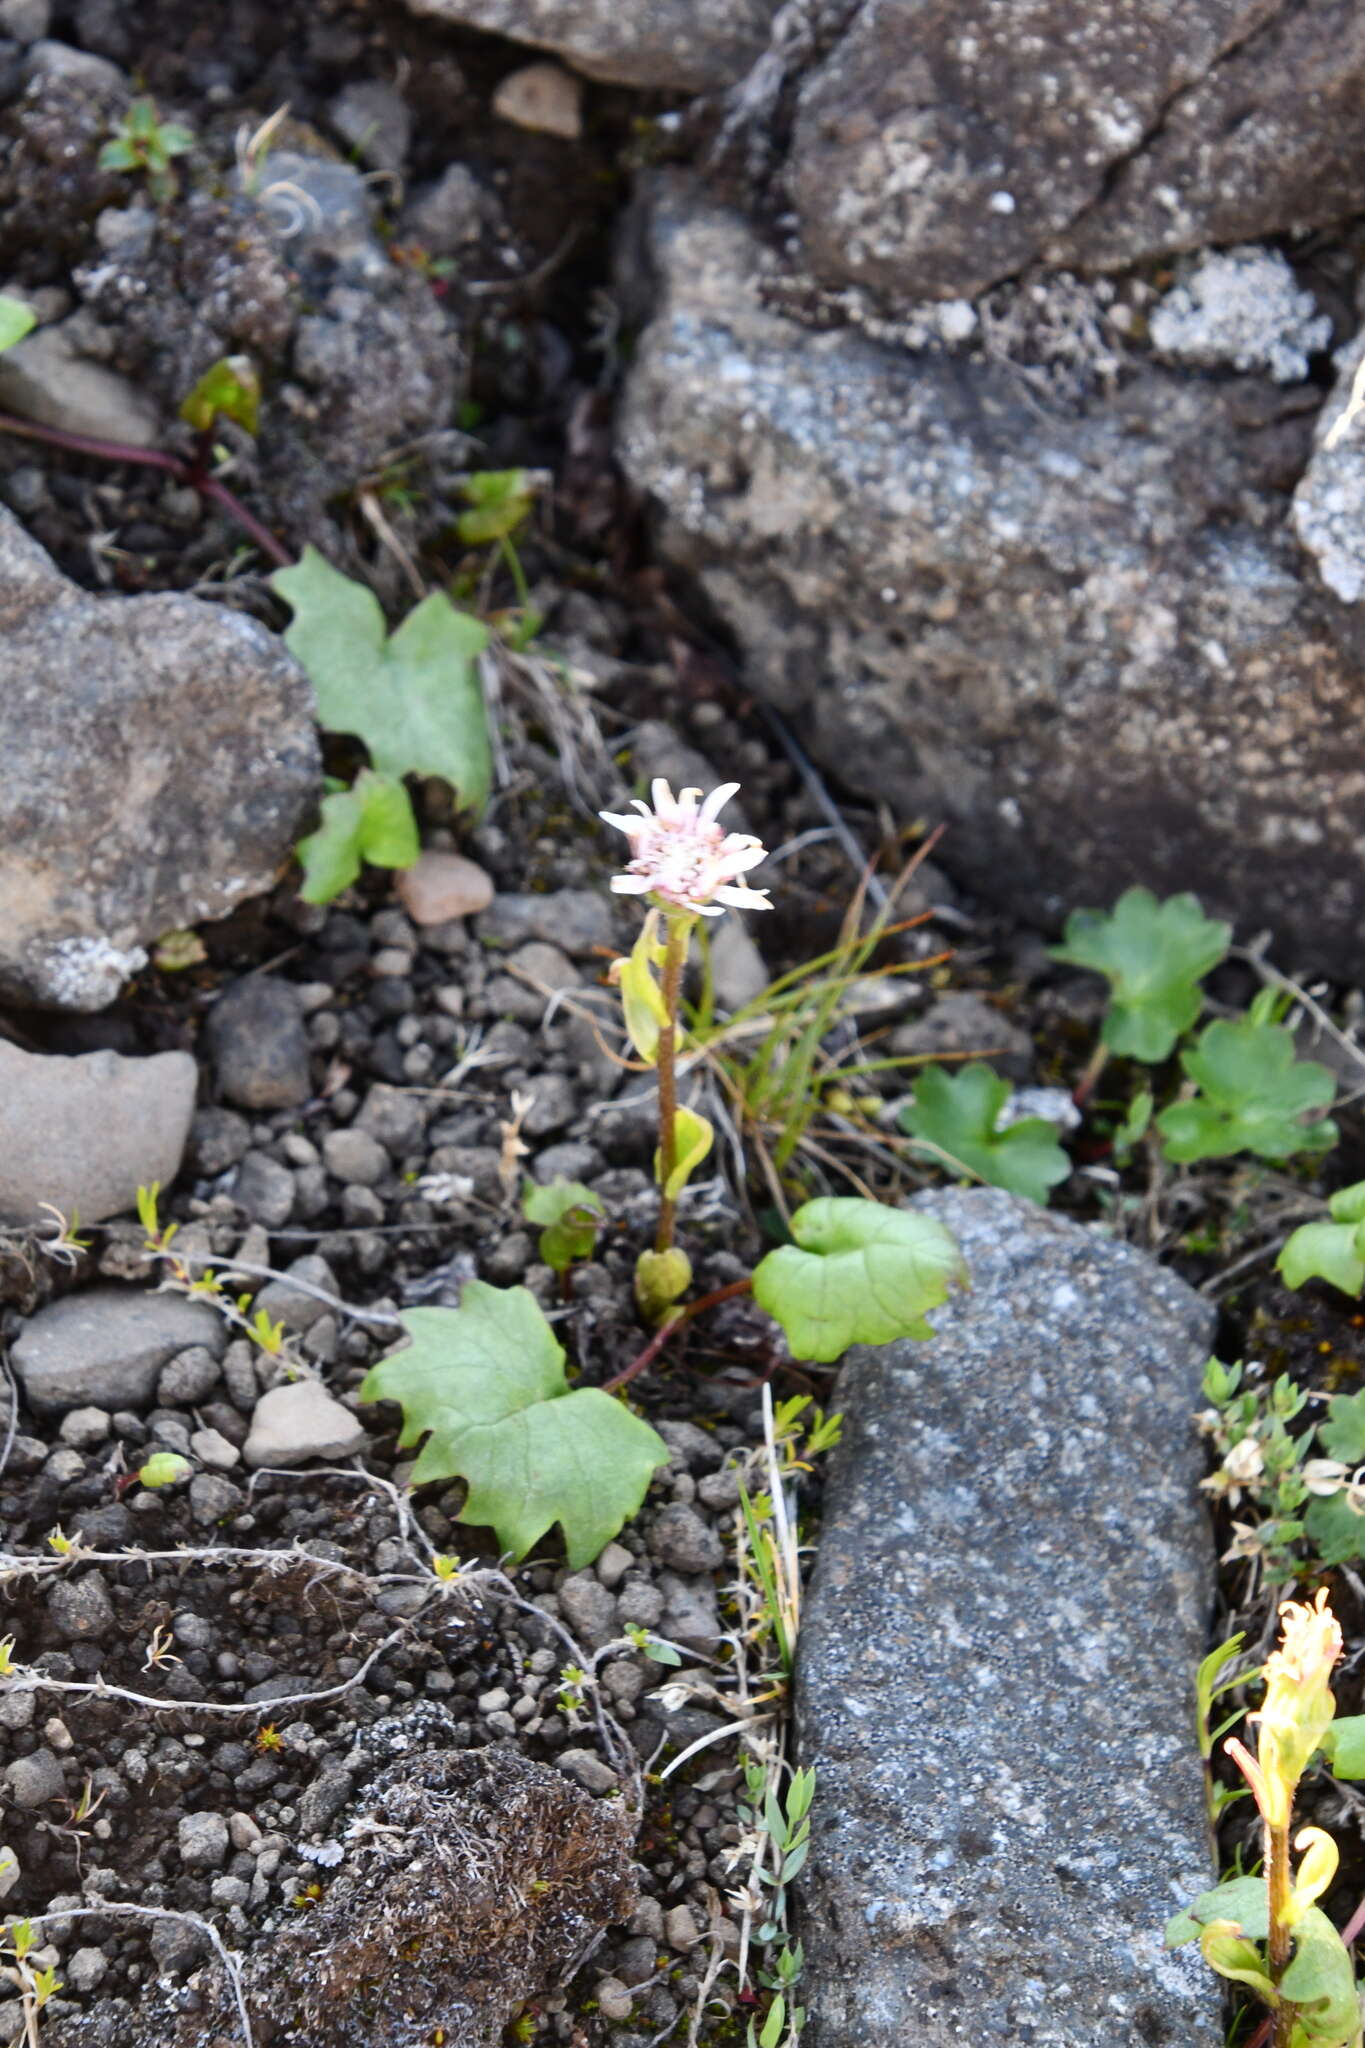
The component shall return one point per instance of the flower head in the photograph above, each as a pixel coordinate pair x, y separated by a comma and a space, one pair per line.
1298, 1706
679, 854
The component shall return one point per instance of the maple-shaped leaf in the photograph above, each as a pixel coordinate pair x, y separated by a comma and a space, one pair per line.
957, 1117
371, 821
484, 1384
413, 696
1153, 955
1253, 1093
856, 1273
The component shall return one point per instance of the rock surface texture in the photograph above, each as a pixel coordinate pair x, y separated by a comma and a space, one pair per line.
687, 45
995, 1680
942, 145
85, 1134
160, 759
1086, 636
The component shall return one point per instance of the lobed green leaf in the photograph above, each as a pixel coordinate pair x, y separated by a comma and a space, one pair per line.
1154, 956
1253, 1093
484, 1385
371, 821
958, 1116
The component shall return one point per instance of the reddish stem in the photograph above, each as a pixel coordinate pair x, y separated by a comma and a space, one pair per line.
153, 458
660, 1338
1351, 1930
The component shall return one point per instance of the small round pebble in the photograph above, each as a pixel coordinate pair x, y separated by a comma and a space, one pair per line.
440, 886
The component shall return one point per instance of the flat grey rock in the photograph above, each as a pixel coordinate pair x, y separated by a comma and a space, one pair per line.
85, 1134
160, 758
105, 1347
995, 1678
298, 1421
688, 45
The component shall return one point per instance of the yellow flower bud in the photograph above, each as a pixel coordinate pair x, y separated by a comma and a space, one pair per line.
1298, 1705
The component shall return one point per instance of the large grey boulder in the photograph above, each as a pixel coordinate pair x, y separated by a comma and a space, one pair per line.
688, 45
942, 145
995, 1674
85, 1134
160, 758
1082, 636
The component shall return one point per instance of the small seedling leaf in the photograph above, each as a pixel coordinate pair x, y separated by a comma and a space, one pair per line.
412, 696
856, 1273
1253, 1094
484, 1385
15, 320
661, 1278
1153, 955
229, 389
1320, 1983
1344, 1746
1242, 1899
693, 1140
571, 1215
642, 999
958, 1116
164, 1468
372, 821
1325, 1251
498, 501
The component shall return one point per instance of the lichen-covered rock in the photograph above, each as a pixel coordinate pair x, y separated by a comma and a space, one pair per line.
942, 145
1083, 638
995, 1678
1240, 309
688, 45
160, 757
1329, 504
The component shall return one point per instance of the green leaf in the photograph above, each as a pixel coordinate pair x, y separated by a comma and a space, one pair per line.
856, 1273
119, 155
1242, 1899
1342, 1435
1320, 1982
1347, 1205
958, 1114
1335, 1528
499, 500
571, 1214
229, 389
15, 320
372, 821
1153, 955
164, 1468
413, 696
693, 1138
1253, 1092
1344, 1746
484, 1384
1324, 1251
642, 999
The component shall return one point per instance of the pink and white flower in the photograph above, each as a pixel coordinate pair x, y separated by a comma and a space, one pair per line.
681, 855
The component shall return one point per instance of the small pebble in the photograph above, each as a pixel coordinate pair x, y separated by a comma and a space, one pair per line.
440, 886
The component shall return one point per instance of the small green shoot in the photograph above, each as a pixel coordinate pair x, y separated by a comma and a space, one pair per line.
956, 1117
371, 821
570, 1216
164, 1468
1154, 956
1252, 1094
229, 389
142, 141
15, 321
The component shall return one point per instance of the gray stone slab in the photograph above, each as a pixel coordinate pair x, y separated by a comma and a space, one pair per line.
996, 1667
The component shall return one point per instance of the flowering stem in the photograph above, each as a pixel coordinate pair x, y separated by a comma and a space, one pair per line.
1277, 1887
679, 929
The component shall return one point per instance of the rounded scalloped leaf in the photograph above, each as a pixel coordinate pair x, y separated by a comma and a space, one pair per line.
857, 1273
1154, 956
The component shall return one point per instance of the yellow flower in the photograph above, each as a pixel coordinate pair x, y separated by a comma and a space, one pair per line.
1298, 1706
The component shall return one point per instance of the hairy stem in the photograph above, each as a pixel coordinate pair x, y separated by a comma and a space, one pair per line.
675, 956
646, 1358
1277, 1887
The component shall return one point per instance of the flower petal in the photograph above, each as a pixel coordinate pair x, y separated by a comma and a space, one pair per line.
662, 798
743, 899
717, 801
631, 885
